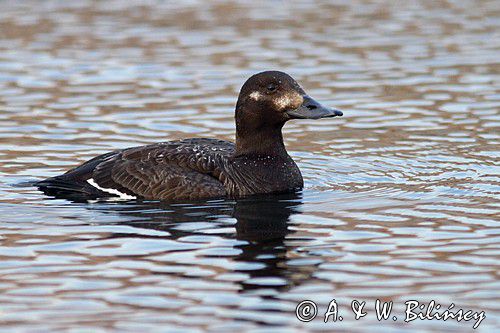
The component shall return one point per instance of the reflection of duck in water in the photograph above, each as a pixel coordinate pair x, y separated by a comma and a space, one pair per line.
193, 169
258, 218
261, 221
264, 218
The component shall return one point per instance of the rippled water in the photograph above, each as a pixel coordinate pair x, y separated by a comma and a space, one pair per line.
402, 193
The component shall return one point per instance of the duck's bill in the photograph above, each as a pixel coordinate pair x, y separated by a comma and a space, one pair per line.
310, 109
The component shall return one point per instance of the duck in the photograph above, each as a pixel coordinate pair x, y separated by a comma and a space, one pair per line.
206, 168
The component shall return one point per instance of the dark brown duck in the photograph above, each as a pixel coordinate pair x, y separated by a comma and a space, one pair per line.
206, 168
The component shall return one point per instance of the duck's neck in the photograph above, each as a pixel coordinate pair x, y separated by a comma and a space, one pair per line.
263, 140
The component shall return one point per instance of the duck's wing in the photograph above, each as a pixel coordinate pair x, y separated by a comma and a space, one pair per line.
186, 169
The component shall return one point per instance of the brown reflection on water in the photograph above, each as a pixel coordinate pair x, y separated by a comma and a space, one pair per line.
401, 197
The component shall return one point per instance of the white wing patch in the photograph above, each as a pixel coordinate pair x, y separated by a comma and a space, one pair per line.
110, 190
255, 95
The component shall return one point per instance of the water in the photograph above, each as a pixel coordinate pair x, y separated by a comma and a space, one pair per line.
401, 197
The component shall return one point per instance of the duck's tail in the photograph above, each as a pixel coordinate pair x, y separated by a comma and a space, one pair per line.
73, 183
60, 184
60, 187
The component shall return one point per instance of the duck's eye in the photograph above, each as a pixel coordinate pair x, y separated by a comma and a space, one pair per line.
272, 87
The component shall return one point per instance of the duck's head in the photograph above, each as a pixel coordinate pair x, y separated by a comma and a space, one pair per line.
272, 98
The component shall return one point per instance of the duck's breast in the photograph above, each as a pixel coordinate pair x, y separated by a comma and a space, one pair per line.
247, 175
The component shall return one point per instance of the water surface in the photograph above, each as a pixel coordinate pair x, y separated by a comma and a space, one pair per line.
401, 197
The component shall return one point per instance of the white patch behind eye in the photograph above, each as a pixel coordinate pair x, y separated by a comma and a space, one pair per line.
255, 95
110, 190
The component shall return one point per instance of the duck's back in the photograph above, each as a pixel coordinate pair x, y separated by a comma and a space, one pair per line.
176, 170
